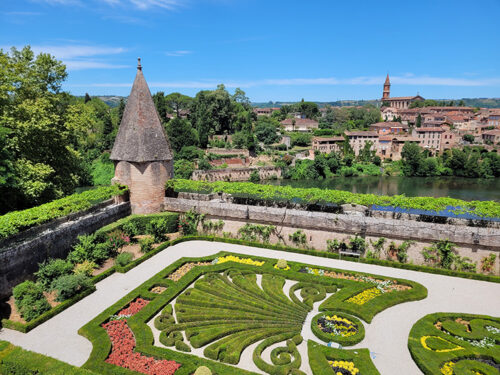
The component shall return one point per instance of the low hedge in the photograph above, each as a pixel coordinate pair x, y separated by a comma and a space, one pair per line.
319, 355
17, 221
276, 193
17, 361
345, 341
141, 221
465, 359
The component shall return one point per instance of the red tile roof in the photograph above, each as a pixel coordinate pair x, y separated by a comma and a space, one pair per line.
434, 129
362, 133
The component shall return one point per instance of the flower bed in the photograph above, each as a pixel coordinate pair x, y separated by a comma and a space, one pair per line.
232, 258
185, 268
451, 343
343, 368
338, 327
365, 296
123, 345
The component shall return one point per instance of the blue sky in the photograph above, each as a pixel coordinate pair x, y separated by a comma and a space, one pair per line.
322, 50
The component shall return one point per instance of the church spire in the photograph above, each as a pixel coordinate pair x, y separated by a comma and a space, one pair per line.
387, 88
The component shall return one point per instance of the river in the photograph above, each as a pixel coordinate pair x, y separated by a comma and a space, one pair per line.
454, 187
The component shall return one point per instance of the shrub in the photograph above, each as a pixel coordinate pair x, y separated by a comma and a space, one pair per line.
50, 270
30, 301
254, 176
123, 259
157, 228
101, 252
488, 262
131, 229
188, 224
182, 346
281, 263
118, 239
83, 249
203, 370
298, 238
146, 244
336, 246
70, 285
86, 268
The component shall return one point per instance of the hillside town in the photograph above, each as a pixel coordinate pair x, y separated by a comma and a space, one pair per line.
433, 128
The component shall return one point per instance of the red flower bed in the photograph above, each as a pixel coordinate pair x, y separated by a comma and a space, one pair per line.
123, 341
134, 307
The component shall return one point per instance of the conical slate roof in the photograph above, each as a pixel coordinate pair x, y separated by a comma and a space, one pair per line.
141, 136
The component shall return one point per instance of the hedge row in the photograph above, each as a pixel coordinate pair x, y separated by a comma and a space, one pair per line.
242, 274
460, 352
319, 355
17, 221
487, 209
17, 361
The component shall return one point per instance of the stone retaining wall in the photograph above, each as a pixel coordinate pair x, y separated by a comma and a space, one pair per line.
20, 256
235, 174
473, 242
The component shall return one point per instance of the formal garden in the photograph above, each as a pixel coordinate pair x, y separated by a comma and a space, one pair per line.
230, 312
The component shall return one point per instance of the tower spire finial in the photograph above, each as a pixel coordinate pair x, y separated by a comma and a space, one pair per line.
139, 67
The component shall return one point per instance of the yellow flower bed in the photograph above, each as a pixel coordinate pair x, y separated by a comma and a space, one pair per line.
365, 296
232, 258
282, 269
423, 341
346, 365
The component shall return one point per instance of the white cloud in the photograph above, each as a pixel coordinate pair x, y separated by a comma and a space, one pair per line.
327, 81
178, 53
21, 13
166, 4
138, 4
78, 57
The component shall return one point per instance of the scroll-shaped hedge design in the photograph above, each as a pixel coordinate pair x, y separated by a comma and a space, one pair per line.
225, 313
456, 344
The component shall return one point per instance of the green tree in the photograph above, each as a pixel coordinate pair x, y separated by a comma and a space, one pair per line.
181, 134
411, 157
177, 102
159, 100
183, 169
121, 109
468, 138
266, 130
418, 123
308, 109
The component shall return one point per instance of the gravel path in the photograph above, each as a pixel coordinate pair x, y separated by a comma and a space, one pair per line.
386, 336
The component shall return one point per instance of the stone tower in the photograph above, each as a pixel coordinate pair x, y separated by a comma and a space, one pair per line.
141, 153
387, 88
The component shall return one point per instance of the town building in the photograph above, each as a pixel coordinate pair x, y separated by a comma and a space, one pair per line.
327, 144
401, 102
384, 128
358, 139
430, 137
265, 111
494, 118
492, 136
391, 146
299, 124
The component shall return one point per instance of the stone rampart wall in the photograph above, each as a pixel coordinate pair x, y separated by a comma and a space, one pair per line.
235, 174
19, 259
473, 242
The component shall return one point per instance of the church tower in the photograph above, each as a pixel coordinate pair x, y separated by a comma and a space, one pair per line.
387, 88
141, 153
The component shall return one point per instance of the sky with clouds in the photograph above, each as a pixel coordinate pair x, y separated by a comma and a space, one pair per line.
276, 50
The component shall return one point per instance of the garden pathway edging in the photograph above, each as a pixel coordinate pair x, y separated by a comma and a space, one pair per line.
386, 336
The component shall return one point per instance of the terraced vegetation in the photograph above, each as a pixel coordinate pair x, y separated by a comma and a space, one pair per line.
456, 344
212, 311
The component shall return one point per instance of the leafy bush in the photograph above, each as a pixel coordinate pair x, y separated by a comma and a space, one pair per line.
488, 262
339, 197
254, 176
14, 222
50, 270
131, 229
203, 370
83, 249
86, 268
298, 238
281, 264
123, 259
254, 232
29, 299
70, 285
188, 223
118, 239
101, 252
157, 228
146, 244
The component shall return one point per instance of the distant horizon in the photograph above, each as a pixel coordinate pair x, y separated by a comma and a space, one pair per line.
320, 51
